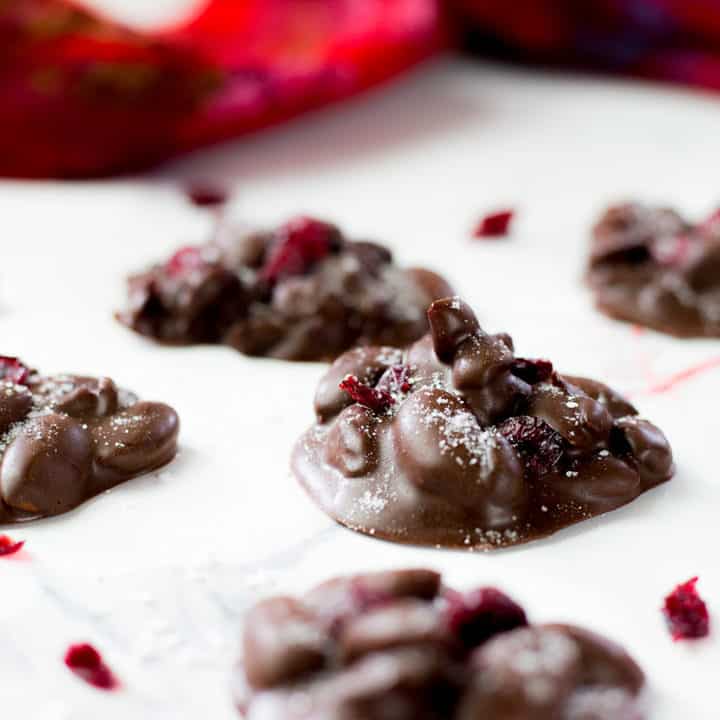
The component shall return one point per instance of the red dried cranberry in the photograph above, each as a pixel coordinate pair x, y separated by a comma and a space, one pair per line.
184, 261
532, 371
12, 370
495, 224
360, 392
8, 546
479, 615
539, 445
300, 244
87, 663
396, 379
206, 196
686, 613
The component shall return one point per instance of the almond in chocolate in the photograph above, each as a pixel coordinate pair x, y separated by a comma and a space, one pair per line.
473, 447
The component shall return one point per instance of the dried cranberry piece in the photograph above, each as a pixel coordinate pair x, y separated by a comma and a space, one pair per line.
87, 663
206, 196
539, 445
396, 378
686, 613
12, 370
495, 224
360, 392
8, 546
532, 371
477, 616
300, 243
184, 261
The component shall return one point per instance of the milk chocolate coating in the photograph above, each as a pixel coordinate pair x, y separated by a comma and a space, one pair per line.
322, 302
394, 646
481, 451
651, 267
66, 438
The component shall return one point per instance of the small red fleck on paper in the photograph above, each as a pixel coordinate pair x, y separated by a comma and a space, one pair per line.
8, 546
494, 225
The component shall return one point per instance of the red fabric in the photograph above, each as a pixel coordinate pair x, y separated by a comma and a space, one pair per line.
81, 95
671, 40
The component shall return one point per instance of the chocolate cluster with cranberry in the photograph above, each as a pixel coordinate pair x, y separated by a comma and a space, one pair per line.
302, 292
457, 442
651, 267
66, 438
400, 646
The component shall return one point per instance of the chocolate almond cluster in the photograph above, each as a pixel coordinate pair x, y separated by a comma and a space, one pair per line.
400, 646
652, 267
457, 442
302, 292
67, 438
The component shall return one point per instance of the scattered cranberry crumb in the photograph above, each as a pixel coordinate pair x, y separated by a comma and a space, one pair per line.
686, 613
8, 546
184, 261
538, 444
532, 371
360, 392
206, 196
12, 370
300, 243
479, 615
495, 224
87, 663
396, 379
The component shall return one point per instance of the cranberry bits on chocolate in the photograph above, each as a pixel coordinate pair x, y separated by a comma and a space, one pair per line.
456, 442
651, 267
398, 645
65, 439
302, 292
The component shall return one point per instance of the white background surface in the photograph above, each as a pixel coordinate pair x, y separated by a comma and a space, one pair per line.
158, 572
